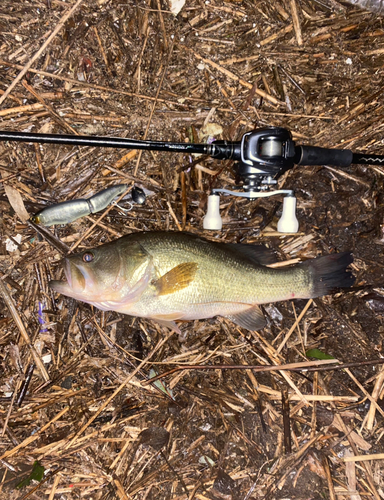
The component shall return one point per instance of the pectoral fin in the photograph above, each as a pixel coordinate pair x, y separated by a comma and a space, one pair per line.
176, 279
251, 319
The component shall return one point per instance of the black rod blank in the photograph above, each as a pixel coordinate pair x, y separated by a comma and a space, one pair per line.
104, 142
219, 149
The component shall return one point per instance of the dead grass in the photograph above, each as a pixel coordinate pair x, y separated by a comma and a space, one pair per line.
71, 390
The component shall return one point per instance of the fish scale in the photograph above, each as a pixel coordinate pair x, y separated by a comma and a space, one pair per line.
169, 276
219, 267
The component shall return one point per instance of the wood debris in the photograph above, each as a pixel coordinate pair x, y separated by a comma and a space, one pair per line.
74, 390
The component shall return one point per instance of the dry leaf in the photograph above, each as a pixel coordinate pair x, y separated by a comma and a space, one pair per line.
176, 6
15, 200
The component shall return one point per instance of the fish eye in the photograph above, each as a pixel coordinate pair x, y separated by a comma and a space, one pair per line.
35, 219
88, 257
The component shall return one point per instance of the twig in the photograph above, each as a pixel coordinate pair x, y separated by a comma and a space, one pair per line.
153, 106
274, 356
257, 368
21, 109
291, 79
296, 23
295, 324
86, 84
106, 228
60, 121
54, 487
347, 176
306, 366
340, 423
162, 24
19, 323
137, 73
17, 383
276, 265
183, 198
350, 472
174, 216
61, 23
6, 179
25, 384
298, 328
121, 162
271, 38
174, 472
35, 436
295, 459
365, 392
121, 491
230, 102
234, 77
121, 386
327, 470
38, 161
286, 421
50, 238
362, 458
103, 54
315, 385
375, 395
14, 98
121, 453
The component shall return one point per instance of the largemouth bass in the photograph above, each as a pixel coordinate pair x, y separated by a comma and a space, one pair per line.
169, 276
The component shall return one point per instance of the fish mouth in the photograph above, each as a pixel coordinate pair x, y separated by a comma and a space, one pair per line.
75, 280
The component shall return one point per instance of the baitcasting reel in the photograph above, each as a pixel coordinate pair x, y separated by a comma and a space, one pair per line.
261, 157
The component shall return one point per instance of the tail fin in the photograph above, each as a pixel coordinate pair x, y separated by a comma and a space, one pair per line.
329, 273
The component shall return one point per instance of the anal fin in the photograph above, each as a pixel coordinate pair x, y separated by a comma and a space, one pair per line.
251, 319
176, 279
167, 320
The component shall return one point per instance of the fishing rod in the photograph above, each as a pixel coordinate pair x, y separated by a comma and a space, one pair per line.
261, 156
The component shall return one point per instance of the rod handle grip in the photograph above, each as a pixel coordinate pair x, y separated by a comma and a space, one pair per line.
312, 155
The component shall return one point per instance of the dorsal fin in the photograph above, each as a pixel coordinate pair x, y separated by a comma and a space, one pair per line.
258, 254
